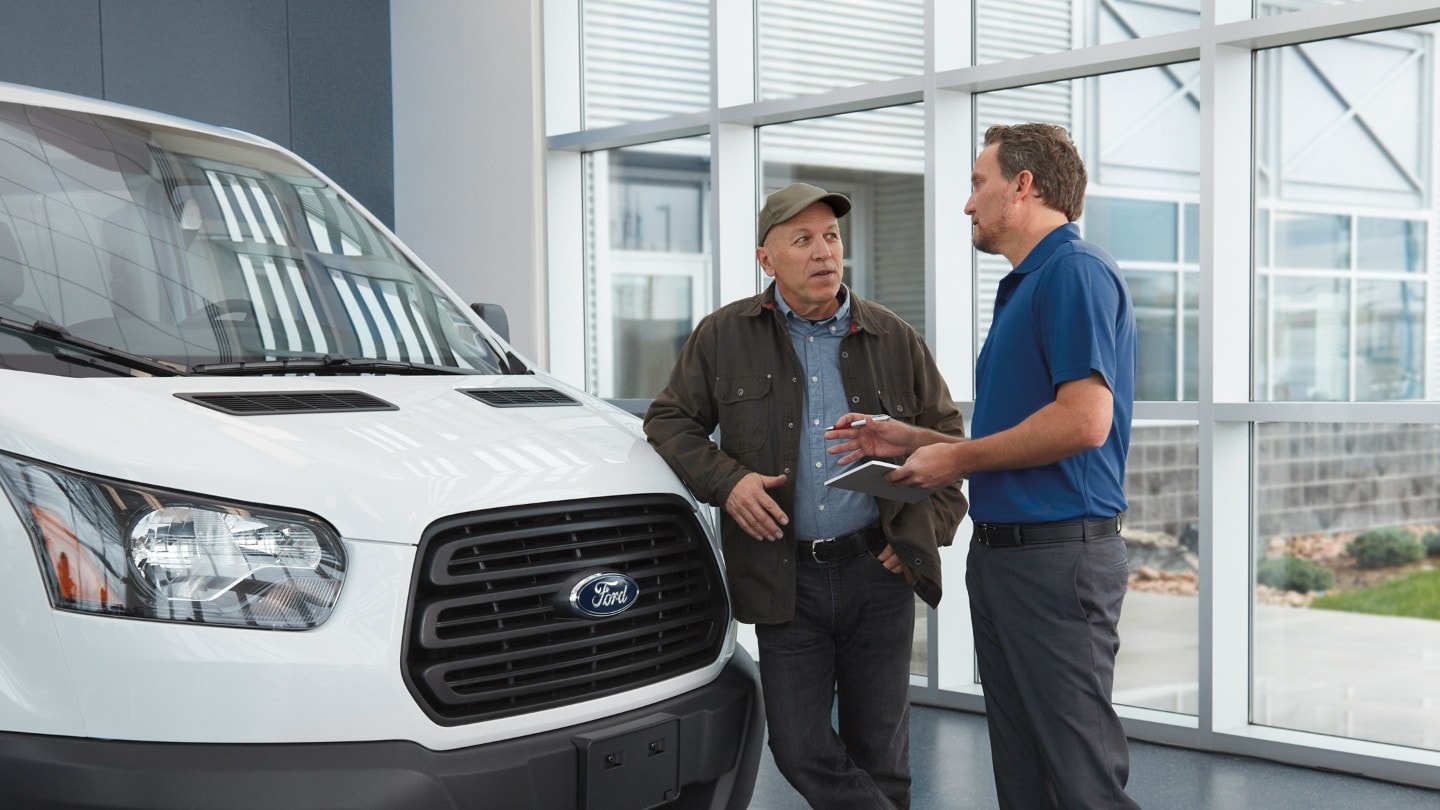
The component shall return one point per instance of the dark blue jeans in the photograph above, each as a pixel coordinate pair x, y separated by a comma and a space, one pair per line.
1045, 621
849, 643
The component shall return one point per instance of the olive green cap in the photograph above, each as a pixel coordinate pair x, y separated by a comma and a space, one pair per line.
791, 200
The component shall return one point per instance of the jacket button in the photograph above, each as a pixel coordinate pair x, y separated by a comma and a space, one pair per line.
740, 392
919, 561
855, 399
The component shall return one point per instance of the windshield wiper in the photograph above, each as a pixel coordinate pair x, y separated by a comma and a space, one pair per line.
96, 355
328, 364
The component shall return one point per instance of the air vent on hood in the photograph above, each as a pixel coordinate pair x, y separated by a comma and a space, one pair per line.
520, 397
251, 404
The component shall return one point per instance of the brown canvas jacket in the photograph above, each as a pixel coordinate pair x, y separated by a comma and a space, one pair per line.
738, 371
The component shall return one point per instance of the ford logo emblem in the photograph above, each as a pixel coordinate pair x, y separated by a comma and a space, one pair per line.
601, 595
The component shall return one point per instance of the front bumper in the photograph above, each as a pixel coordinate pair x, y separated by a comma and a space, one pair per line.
708, 743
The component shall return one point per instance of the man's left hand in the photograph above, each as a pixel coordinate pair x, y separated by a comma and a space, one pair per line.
891, 561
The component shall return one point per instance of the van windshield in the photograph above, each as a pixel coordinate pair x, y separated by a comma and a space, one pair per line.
201, 251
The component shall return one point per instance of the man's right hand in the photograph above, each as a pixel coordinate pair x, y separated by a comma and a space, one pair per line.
886, 437
754, 510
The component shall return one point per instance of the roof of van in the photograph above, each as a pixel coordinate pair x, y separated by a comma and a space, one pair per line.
23, 94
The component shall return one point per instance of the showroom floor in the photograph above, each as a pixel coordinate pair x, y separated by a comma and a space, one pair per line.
951, 762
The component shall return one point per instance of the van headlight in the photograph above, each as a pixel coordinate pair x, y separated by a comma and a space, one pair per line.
121, 549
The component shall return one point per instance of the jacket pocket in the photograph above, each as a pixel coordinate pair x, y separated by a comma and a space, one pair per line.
902, 405
745, 406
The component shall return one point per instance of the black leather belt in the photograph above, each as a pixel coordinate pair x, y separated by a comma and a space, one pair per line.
998, 535
845, 546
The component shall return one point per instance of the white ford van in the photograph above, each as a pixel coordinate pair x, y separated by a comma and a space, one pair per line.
286, 525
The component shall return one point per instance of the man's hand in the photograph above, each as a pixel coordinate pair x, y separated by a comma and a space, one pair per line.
891, 561
876, 437
930, 467
753, 508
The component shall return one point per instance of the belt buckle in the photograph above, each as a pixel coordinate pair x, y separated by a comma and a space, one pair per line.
815, 544
995, 539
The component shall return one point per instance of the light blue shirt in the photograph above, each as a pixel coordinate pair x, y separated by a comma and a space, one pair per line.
822, 511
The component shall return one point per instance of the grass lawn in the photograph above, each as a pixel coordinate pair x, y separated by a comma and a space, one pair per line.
1416, 595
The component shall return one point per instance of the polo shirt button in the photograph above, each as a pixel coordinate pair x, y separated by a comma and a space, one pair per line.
791, 425
855, 399
740, 392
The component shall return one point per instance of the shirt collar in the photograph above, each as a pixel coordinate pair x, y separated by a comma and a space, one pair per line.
1069, 232
841, 316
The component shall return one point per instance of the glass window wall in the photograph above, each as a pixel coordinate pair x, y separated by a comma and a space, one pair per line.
648, 265
1344, 181
810, 46
1321, 131
1346, 622
1140, 205
877, 159
643, 59
1158, 664
1011, 30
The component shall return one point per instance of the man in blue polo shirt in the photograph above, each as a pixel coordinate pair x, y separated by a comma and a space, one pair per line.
1047, 569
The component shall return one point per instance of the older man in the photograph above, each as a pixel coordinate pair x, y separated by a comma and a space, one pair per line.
825, 574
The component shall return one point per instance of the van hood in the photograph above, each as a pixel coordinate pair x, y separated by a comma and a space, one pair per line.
400, 453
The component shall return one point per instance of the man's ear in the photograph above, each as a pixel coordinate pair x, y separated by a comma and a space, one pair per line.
762, 255
1024, 184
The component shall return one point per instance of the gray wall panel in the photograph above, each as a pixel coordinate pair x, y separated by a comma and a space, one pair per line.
218, 61
53, 44
311, 75
340, 112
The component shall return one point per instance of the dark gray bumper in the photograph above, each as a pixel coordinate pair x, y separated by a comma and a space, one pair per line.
712, 742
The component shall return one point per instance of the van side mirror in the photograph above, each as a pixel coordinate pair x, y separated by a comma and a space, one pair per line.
494, 315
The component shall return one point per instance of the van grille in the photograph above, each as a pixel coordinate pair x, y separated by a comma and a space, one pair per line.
489, 637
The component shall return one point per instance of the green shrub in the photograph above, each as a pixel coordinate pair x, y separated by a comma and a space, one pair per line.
1294, 574
1382, 548
1431, 540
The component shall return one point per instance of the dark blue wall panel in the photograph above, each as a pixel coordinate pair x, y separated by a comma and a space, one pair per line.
340, 86
218, 61
53, 44
311, 75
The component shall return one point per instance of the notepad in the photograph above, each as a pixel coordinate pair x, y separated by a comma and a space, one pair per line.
870, 478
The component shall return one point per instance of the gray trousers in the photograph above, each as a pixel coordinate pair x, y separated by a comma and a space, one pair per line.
1045, 619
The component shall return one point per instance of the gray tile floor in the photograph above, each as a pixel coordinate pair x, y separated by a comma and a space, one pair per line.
950, 757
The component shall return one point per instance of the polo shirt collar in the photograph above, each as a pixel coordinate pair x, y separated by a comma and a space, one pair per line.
1041, 253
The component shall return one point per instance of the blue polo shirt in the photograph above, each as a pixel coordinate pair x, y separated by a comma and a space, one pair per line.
1063, 313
